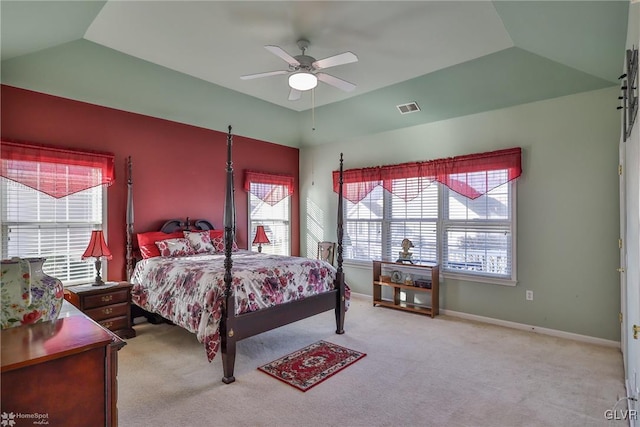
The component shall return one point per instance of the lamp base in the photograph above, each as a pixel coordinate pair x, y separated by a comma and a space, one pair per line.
98, 281
259, 247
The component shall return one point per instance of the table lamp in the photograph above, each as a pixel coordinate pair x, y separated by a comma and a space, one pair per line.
97, 249
261, 237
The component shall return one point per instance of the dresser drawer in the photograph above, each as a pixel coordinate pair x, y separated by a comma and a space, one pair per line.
114, 310
91, 301
116, 323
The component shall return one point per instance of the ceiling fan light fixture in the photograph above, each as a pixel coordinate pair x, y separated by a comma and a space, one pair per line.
303, 81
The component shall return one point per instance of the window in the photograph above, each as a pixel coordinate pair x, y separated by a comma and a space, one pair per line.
51, 199
478, 234
35, 224
269, 206
463, 220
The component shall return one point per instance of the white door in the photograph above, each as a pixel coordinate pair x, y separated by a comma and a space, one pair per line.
623, 253
631, 302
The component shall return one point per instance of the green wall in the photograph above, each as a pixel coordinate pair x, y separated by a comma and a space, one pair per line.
567, 210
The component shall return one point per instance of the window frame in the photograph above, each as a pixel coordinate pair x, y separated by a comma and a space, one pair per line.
252, 223
102, 224
480, 277
441, 229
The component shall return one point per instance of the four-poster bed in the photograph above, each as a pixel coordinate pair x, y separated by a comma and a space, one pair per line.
225, 309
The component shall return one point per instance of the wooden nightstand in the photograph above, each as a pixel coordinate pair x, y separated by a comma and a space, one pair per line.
109, 306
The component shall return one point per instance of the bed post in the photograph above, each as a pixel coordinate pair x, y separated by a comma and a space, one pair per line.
129, 220
340, 303
227, 339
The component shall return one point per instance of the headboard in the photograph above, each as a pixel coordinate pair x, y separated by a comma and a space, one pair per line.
174, 225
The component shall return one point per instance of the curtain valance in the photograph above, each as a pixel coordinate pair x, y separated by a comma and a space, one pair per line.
268, 187
470, 175
55, 171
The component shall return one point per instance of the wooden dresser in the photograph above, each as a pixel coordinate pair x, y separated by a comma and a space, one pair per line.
60, 373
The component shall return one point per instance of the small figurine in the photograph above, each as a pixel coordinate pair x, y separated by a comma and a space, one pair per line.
405, 255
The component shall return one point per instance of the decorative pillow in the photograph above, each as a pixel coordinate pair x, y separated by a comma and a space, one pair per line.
218, 244
175, 247
147, 242
200, 241
216, 233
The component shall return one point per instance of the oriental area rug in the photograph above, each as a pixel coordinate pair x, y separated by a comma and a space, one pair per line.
311, 365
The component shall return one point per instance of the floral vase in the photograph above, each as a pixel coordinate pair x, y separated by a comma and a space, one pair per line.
41, 295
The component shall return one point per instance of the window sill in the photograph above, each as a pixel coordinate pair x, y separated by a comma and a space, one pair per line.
479, 279
357, 264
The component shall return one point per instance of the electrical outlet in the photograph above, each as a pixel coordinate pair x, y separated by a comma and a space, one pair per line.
529, 295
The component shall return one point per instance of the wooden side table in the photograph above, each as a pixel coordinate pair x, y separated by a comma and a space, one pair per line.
110, 306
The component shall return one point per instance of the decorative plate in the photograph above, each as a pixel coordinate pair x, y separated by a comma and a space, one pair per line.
396, 276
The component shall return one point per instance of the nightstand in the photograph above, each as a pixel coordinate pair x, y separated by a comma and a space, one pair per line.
109, 306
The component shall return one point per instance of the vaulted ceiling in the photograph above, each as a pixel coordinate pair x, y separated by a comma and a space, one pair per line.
182, 60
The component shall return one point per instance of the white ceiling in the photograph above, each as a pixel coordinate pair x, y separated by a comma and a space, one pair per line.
220, 41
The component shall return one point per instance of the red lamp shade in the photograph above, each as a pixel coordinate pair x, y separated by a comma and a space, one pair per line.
97, 246
261, 236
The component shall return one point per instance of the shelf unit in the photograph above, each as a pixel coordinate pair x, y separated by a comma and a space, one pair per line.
428, 271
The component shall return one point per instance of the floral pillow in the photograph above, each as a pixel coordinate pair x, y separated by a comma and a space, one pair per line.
174, 247
218, 244
147, 242
200, 241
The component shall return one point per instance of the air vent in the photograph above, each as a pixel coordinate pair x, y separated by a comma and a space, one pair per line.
411, 107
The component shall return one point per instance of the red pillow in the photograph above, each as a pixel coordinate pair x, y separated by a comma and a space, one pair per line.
147, 242
216, 233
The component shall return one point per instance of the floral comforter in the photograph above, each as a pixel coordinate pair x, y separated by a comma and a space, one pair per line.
189, 290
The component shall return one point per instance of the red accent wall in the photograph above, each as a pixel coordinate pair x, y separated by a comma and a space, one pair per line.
178, 169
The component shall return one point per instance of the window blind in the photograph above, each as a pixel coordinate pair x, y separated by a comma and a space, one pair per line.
35, 224
470, 236
274, 218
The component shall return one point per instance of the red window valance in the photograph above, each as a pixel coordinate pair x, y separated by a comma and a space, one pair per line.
55, 171
268, 187
471, 175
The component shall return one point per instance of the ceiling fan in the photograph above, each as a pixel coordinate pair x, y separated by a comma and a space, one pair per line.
304, 70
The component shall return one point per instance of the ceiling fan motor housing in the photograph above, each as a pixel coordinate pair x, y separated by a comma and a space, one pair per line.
305, 63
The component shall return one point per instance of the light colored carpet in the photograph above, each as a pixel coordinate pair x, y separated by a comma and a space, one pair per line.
418, 372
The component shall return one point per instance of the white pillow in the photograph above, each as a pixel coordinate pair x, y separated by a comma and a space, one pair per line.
200, 241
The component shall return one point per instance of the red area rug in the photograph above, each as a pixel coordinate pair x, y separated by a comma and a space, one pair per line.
313, 364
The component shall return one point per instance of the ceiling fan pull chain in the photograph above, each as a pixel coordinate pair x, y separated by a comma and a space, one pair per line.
313, 109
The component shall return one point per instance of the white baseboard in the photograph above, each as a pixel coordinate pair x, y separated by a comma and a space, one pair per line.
521, 326
531, 328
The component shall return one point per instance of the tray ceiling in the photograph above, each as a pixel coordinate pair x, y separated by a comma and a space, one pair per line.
408, 51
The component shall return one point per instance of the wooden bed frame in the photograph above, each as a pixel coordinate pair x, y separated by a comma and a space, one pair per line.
234, 327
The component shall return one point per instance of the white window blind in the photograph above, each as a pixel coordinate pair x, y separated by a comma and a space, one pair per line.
35, 224
415, 219
465, 236
275, 219
478, 233
362, 239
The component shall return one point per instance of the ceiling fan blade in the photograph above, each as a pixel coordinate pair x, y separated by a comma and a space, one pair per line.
276, 50
294, 95
267, 74
336, 82
332, 61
